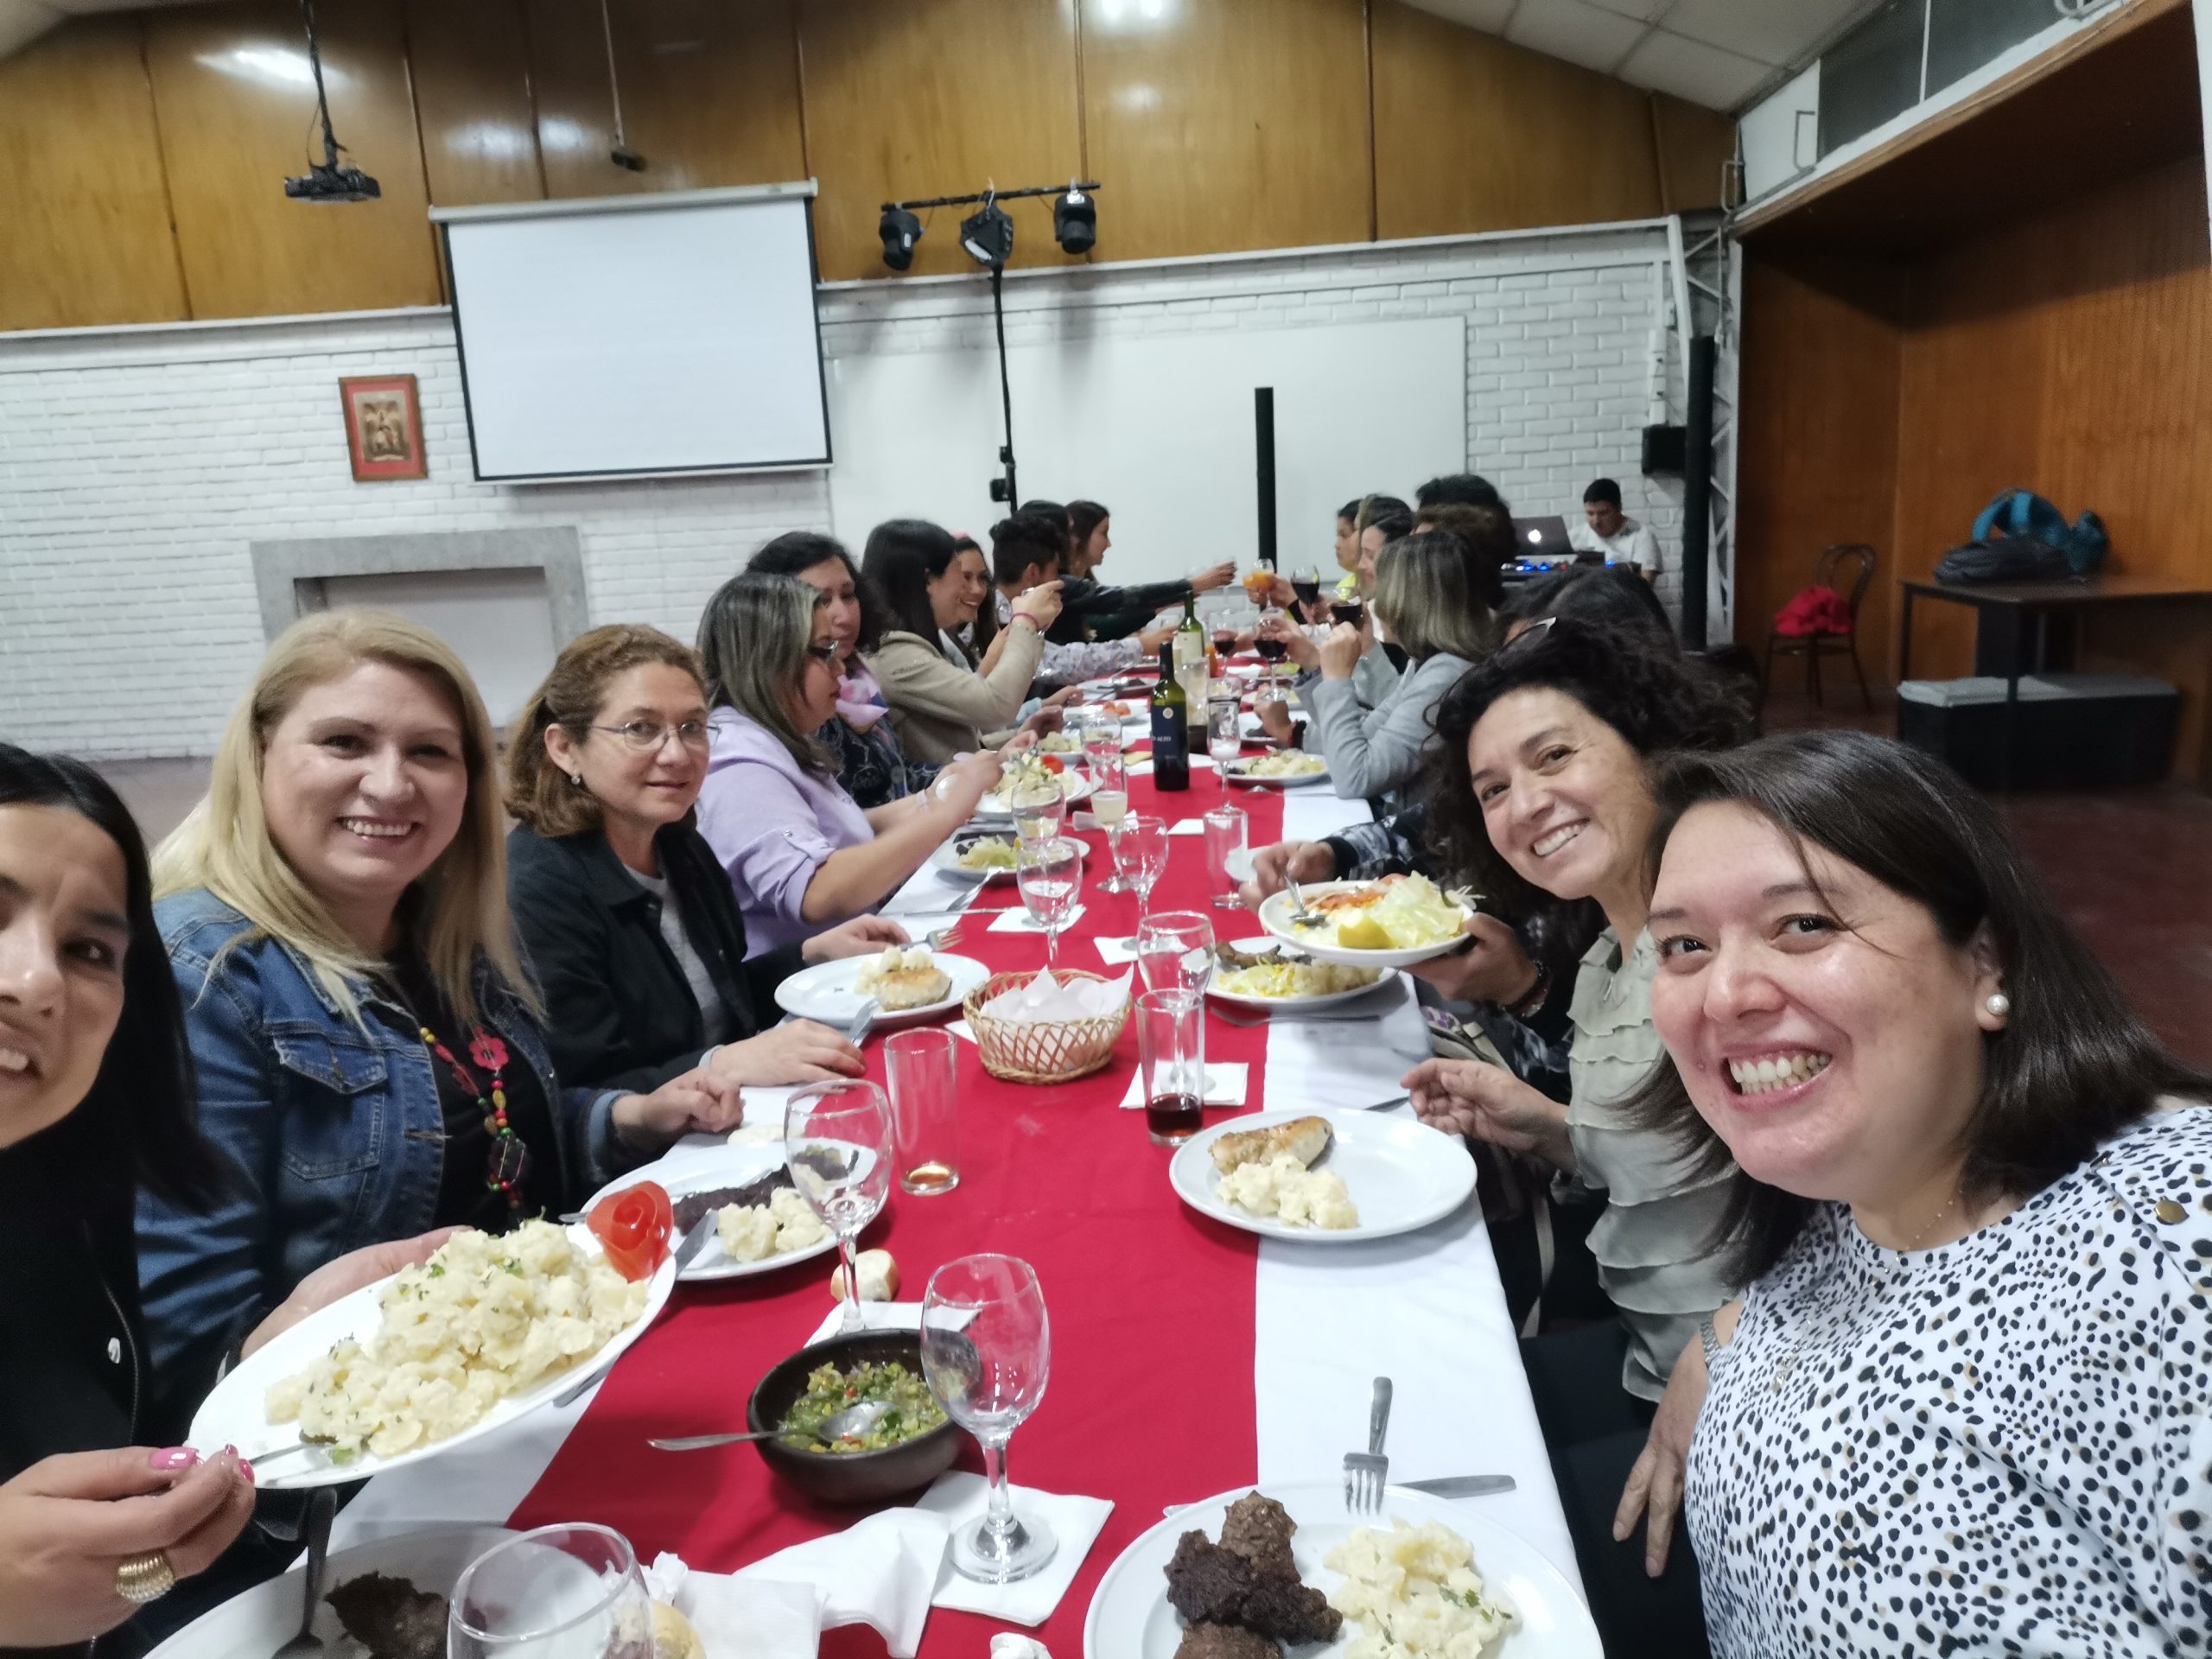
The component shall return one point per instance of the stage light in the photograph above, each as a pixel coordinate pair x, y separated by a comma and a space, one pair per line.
900, 230
987, 234
1075, 221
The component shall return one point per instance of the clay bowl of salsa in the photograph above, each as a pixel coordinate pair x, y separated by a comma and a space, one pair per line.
910, 1462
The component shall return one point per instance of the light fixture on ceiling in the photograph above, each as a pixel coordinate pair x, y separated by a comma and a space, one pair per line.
326, 181
987, 235
900, 230
1075, 221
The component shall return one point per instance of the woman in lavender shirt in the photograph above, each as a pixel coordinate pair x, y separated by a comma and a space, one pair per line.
802, 854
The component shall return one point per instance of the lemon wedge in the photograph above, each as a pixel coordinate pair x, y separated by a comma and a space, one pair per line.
1362, 933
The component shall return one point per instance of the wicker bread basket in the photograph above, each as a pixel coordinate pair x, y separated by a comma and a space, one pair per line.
1058, 1052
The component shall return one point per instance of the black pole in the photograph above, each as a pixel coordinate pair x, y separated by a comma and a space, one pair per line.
1005, 388
1697, 491
1263, 444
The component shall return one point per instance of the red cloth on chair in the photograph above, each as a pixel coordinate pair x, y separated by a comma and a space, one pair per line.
1814, 610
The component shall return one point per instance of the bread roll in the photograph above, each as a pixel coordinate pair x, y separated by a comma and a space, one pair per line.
879, 1278
673, 1637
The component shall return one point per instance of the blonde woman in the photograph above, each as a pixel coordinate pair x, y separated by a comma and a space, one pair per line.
371, 1056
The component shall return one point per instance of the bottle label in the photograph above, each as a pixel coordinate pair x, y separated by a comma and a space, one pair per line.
1170, 738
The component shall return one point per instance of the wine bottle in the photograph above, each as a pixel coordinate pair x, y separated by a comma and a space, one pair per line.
1193, 667
1170, 731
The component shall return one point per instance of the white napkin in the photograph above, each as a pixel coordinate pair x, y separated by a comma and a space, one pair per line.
960, 1029
875, 1316
1225, 1083
1044, 999
1118, 953
1075, 1522
1020, 921
878, 1573
1188, 827
1007, 1645
1144, 768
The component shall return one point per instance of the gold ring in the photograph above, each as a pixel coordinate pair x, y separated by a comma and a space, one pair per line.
145, 1578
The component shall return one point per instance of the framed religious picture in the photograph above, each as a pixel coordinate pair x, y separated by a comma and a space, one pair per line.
384, 426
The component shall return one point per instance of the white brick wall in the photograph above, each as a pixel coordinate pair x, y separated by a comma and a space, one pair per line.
138, 465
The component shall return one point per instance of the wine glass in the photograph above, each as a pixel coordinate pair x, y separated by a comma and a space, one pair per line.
1272, 651
1102, 750
1305, 583
1224, 732
1226, 827
1142, 856
837, 1140
560, 1592
1039, 811
1049, 876
1175, 951
986, 1353
1110, 804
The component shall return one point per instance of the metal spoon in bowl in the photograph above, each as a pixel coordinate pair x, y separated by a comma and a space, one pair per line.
854, 1421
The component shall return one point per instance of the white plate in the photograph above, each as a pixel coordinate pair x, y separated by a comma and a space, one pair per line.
1401, 1175
1275, 913
264, 1618
827, 992
235, 1415
1130, 1616
1235, 772
946, 861
1326, 999
1074, 786
692, 1170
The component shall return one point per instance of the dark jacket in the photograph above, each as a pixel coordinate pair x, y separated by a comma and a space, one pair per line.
618, 1013
1090, 610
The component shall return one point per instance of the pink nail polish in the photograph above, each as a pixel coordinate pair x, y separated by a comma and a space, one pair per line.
230, 1450
247, 1469
173, 1458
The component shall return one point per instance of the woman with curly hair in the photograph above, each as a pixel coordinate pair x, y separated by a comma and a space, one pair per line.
1551, 741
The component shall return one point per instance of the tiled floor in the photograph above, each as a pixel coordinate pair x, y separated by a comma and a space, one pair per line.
2133, 870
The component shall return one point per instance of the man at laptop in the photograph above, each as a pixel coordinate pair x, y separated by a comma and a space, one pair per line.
1608, 532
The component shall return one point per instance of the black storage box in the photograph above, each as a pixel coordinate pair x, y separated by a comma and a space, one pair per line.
2070, 731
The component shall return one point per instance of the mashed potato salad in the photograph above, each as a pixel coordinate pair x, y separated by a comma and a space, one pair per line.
1416, 1593
485, 1317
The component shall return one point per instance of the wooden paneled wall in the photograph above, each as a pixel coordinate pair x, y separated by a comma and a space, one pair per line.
142, 156
2068, 352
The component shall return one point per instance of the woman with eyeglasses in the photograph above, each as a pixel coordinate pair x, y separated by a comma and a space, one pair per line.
629, 922
800, 854
372, 1056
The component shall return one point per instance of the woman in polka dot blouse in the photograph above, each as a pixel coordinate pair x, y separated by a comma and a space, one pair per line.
1967, 1407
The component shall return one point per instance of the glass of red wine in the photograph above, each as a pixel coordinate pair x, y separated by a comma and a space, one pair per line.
1172, 1060
1272, 649
1347, 611
1307, 584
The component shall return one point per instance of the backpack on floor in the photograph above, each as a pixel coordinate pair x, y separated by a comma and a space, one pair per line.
2020, 537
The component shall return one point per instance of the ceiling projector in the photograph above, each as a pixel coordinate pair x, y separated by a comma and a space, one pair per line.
326, 182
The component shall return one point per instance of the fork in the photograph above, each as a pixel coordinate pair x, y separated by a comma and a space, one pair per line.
1366, 1472
1299, 912
863, 1022
949, 934
1287, 1017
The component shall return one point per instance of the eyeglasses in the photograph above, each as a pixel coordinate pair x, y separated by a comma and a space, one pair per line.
825, 653
646, 735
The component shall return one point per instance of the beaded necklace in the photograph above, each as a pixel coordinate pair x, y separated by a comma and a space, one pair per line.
509, 1158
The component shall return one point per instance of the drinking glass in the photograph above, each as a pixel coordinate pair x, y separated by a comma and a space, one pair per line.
925, 1114
1039, 811
1142, 856
1175, 950
1172, 1060
560, 1592
1049, 876
1272, 652
1305, 583
1226, 829
838, 1141
1225, 738
1112, 808
1102, 752
986, 1353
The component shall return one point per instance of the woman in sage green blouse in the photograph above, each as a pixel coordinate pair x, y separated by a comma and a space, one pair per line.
1547, 742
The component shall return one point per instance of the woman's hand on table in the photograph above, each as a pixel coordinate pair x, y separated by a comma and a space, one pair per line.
861, 937
1341, 651
1495, 968
67, 1523
353, 1271
799, 1050
1654, 1492
1295, 645
1273, 868
1473, 1097
703, 1101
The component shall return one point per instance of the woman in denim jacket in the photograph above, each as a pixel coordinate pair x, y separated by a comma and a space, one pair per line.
369, 1050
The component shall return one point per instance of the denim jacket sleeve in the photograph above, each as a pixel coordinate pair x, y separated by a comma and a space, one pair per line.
204, 1279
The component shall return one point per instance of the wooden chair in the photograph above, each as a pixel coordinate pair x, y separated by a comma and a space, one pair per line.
1847, 567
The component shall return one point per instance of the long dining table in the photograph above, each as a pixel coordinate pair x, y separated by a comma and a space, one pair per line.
1189, 1358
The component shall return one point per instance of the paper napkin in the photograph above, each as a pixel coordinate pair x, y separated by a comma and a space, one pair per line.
1118, 953
875, 1316
1144, 768
1188, 827
1020, 921
1075, 1522
1225, 1081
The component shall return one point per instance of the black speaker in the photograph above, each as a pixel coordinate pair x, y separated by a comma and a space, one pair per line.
1666, 448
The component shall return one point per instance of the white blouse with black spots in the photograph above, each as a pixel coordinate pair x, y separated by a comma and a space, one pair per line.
2002, 1446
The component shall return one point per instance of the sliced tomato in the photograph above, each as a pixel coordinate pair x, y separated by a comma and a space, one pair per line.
1053, 763
633, 1227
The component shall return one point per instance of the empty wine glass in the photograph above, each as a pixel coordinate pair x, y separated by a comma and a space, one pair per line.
1175, 950
1102, 751
986, 1353
560, 1592
1049, 876
837, 1140
1039, 810
1143, 855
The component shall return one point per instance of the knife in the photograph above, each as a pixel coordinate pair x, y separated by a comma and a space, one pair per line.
1460, 1485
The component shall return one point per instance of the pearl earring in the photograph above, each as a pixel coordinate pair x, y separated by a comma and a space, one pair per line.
577, 779
1998, 1004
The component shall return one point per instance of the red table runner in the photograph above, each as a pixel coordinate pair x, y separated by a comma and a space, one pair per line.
1151, 1396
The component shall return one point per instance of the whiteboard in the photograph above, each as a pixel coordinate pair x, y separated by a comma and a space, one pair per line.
639, 335
1158, 428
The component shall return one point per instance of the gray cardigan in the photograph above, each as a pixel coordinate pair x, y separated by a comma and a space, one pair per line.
1373, 752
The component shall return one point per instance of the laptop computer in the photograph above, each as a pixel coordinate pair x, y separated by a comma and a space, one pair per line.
1542, 538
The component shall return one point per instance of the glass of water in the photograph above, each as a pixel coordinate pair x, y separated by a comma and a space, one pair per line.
837, 1140
987, 1353
1110, 806
1226, 830
1049, 876
1224, 739
560, 1592
1175, 951
1039, 811
1142, 856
